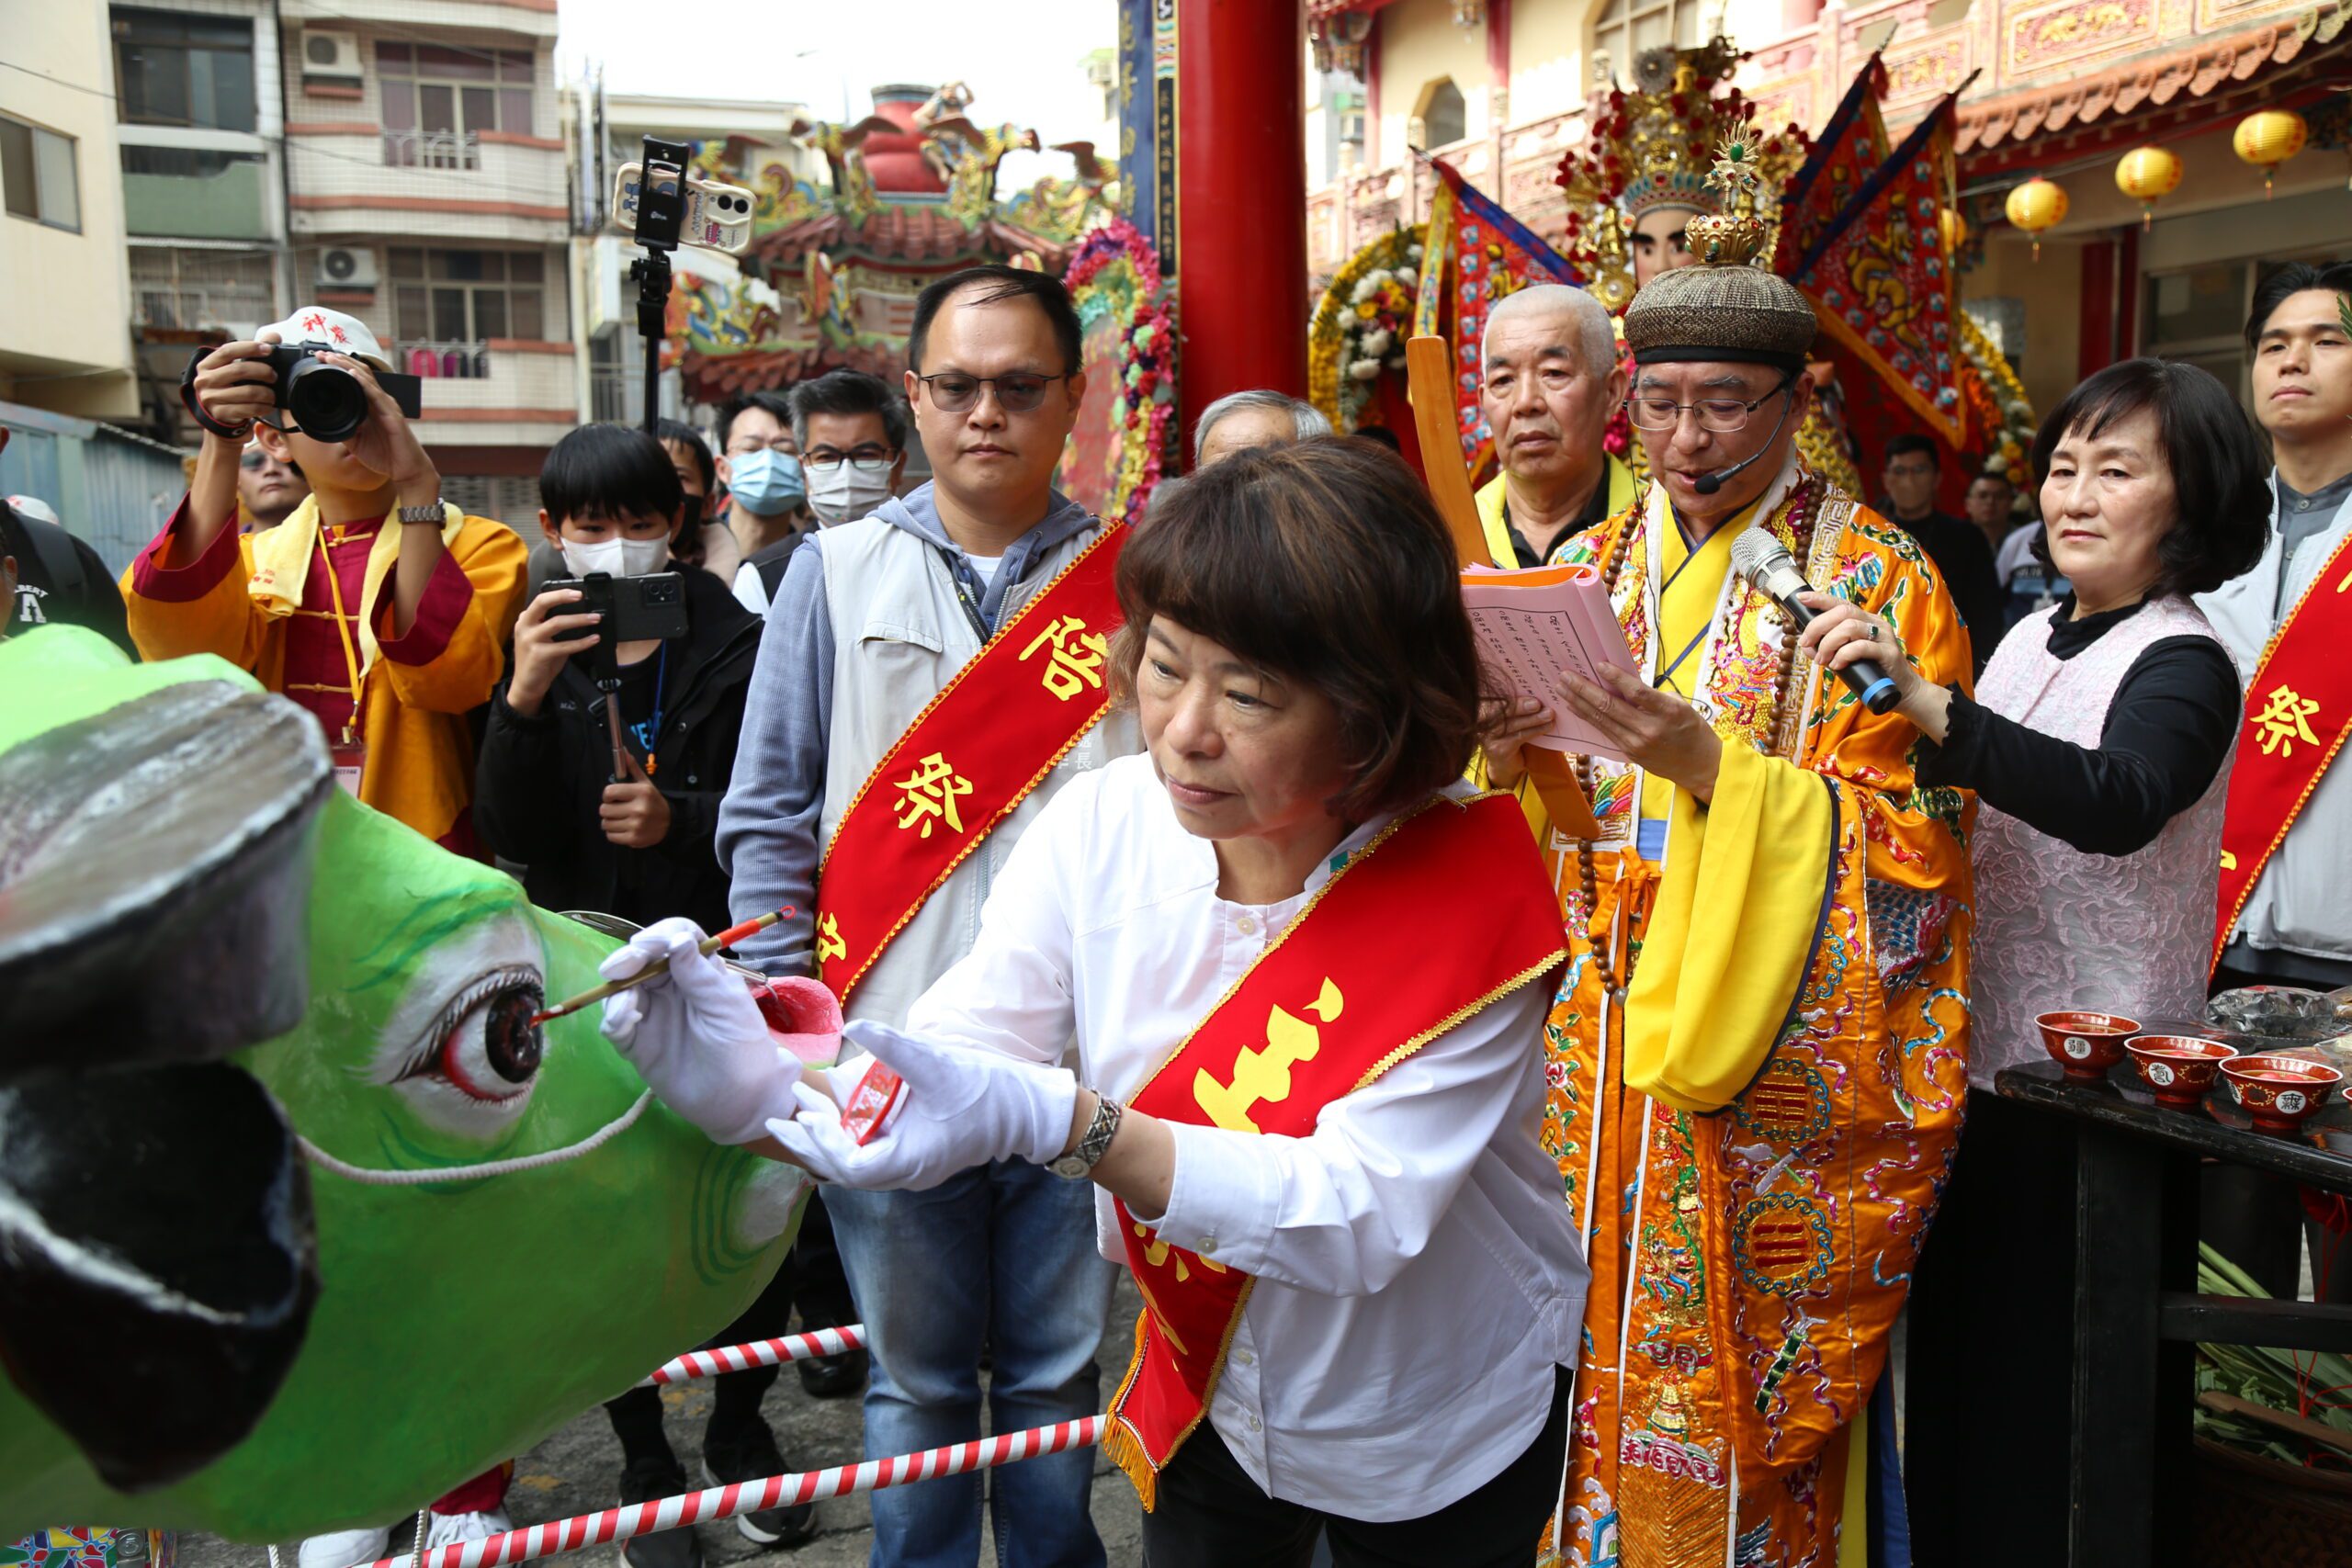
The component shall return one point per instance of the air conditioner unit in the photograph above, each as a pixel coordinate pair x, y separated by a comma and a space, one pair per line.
330, 58
349, 270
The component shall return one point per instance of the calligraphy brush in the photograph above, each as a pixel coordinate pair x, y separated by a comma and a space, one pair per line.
711, 944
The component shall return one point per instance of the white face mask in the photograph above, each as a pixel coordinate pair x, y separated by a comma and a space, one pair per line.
617, 558
850, 489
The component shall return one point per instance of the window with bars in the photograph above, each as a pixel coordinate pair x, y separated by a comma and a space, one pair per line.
438, 100
1625, 28
192, 288
174, 68
453, 298
502, 498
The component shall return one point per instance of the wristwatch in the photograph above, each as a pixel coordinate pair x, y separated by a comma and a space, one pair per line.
1074, 1164
433, 513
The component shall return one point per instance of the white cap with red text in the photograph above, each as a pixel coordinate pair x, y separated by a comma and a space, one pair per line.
316, 324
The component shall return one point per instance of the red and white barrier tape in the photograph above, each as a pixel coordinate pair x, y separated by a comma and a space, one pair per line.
718, 1503
759, 1353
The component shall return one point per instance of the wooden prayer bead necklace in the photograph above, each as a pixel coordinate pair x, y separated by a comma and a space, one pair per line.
1801, 517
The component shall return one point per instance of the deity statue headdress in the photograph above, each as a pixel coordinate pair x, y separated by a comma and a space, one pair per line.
1652, 149
1728, 304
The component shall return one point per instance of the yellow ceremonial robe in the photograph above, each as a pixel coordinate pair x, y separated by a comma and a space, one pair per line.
1751, 1138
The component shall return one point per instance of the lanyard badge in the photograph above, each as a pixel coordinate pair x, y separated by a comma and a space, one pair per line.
350, 750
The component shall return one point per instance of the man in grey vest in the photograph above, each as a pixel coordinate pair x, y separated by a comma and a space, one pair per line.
873, 620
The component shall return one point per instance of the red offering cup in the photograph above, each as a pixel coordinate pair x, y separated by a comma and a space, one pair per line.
2180, 1068
2086, 1043
2279, 1092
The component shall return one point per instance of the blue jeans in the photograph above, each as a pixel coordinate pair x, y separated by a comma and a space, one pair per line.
1001, 1256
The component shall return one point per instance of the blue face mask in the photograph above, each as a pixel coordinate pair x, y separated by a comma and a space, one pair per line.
766, 482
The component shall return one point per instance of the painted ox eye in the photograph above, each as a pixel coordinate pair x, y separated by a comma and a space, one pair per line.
483, 1043
458, 1049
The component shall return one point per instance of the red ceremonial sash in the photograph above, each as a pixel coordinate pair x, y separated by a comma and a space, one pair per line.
1370, 988
2298, 712
988, 738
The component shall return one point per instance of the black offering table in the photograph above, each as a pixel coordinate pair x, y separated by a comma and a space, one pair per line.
2137, 1312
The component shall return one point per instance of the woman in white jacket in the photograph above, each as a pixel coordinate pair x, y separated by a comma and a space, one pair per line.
1314, 1129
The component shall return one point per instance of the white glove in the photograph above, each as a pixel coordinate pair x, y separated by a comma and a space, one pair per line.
963, 1106
696, 1037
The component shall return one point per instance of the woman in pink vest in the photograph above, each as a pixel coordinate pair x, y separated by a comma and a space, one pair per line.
2098, 745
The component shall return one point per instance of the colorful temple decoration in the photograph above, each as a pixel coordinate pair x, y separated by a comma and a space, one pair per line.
1879, 281
1860, 232
1126, 420
1355, 342
832, 271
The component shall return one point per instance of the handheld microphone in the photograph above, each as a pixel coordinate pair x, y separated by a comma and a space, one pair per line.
1766, 563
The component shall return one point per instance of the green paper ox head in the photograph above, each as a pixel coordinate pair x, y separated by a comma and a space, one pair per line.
458, 1320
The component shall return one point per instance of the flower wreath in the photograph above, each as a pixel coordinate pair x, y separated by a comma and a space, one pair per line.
1999, 409
1116, 269
1361, 324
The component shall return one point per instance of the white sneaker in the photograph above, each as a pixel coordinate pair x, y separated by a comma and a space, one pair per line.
445, 1530
341, 1548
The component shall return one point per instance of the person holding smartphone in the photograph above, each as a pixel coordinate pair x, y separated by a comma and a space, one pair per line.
627, 830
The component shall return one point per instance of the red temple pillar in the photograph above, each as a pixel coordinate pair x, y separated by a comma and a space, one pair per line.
1241, 199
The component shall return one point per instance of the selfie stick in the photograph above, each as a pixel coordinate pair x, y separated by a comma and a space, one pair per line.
661, 221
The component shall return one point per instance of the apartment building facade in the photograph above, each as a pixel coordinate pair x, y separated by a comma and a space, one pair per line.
201, 134
63, 285
429, 196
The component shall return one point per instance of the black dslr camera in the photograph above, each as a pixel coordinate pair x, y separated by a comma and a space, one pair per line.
327, 402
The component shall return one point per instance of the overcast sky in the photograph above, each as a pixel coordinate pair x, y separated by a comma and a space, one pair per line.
1024, 62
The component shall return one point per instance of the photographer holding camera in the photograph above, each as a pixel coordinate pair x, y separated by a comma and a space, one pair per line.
376, 605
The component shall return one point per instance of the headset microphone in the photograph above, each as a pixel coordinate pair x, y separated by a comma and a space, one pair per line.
1707, 484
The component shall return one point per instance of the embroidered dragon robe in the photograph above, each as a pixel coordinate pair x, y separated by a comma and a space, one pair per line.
1752, 1136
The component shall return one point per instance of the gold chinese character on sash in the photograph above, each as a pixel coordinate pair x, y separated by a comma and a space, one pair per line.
2285, 718
829, 944
930, 792
1076, 663
1263, 1077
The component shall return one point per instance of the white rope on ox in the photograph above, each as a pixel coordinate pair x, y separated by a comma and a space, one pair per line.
437, 1174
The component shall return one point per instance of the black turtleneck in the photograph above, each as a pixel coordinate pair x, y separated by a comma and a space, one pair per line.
2166, 731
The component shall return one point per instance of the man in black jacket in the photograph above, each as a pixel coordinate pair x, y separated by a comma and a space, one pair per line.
1962, 557
628, 833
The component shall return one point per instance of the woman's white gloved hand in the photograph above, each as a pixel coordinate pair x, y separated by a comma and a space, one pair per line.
696, 1037
964, 1107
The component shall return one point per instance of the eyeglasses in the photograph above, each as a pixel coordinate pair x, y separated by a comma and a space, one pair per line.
1719, 415
1016, 392
864, 460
